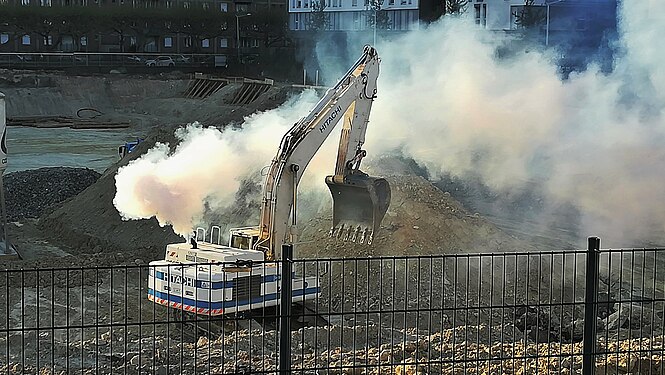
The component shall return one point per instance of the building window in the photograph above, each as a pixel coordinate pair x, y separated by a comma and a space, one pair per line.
25, 40
4, 38
391, 2
242, 8
45, 3
48, 40
480, 15
25, 2
484, 15
150, 46
132, 40
169, 4
224, 43
205, 43
224, 7
206, 6
299, 4
188, 41
84, 40
67, 43
186, 4
168, 41
354, 3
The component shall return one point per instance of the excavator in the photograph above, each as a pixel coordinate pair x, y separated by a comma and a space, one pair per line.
204, 277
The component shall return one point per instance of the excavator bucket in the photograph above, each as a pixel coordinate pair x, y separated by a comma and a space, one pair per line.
359, 204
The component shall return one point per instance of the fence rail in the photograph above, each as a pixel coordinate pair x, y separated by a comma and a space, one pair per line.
81, 60
562, 312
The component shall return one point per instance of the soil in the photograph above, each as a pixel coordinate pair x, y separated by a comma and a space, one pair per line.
423, 219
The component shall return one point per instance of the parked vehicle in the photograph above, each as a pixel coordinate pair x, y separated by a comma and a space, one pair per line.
137, 59
161, 61
128, 147
182, 59
216, 61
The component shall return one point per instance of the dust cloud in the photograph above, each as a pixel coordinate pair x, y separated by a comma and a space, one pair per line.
594, 140
205, 169
446, 100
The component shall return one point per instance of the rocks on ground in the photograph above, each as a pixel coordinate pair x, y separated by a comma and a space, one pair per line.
462, 350
31, 193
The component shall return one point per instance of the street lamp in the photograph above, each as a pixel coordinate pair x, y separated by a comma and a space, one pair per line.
547, 26
238, 16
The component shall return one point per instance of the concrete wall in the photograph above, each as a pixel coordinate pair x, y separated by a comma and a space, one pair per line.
64, 95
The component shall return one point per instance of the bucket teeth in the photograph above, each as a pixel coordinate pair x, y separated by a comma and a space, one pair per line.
364, 235
357, 234
352, 233
347, 234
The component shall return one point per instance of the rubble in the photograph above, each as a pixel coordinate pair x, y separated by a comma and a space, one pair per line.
31, 193
245, 352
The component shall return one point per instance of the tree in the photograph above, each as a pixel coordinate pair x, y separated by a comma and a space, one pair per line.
273, 26
199, 24
80, 22
455, 7
50, 23
530, 15
376, 16
318, 19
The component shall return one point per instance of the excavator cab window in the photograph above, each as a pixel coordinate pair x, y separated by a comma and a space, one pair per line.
241, 242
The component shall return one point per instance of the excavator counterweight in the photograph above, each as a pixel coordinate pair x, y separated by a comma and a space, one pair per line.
359, 204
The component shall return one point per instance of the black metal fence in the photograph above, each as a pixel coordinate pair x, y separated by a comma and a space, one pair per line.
561, 312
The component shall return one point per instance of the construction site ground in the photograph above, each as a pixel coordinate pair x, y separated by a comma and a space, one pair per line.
422, 219
426, 217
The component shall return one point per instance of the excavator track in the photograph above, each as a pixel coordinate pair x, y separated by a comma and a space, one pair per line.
194, 326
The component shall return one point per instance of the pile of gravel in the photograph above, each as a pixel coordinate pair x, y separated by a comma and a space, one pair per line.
30, 193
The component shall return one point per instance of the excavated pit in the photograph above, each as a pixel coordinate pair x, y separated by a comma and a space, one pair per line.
424, 218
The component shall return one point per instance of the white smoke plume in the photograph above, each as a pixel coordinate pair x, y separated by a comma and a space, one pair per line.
595, 140
205, 169
447, 101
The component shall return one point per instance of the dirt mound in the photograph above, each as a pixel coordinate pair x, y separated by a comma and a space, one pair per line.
90, 224
421, 220
31, 193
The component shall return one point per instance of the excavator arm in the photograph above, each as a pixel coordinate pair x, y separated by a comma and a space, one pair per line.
351, 98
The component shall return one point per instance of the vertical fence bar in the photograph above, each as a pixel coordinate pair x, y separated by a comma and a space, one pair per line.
590, 306
285, 311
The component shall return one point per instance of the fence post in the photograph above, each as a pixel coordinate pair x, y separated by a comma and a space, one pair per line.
285, 311
591, 306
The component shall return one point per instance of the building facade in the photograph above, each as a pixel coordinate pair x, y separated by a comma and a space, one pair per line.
236, 34
353, 15
564, 15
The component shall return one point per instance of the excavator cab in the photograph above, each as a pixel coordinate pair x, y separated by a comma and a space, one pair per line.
359, 204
